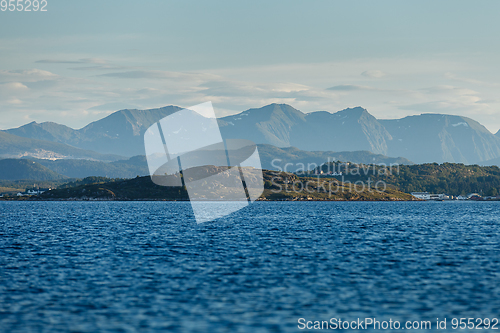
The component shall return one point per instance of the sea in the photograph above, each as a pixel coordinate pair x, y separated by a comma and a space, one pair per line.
271, 267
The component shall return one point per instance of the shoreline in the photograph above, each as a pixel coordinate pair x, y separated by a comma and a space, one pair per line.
27, 199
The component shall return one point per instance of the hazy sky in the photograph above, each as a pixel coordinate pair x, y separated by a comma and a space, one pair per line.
81, 60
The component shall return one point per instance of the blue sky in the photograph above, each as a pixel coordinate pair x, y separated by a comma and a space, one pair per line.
81, 60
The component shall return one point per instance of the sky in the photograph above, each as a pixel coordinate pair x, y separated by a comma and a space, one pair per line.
82, 60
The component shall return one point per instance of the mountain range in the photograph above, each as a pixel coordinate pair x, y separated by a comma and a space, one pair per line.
272, 158
420, 139
292, 159
14, 146
283, 126
120, 133
16, 169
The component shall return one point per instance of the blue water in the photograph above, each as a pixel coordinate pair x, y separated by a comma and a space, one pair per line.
147, 266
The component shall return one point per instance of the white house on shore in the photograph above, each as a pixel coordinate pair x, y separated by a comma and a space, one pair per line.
428, 196
422, 195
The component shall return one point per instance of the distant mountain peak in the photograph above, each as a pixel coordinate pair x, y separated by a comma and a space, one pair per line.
356, 108
280, 105
356, 112
276, 107
273, 123
266, 113
498, 133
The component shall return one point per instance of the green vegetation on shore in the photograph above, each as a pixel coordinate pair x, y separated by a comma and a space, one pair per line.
348, 182
277, 186
450, 178
12, 187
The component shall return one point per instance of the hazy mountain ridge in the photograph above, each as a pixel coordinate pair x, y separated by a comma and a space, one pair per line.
272, 124
122, 132
40, 169
13, 146
137, 165
48, 131
15, 169
347, 130
495, 161
441, 138
292, 159
421, 138
283, 126
119, 133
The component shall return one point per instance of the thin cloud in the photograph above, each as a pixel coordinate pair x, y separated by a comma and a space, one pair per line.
98, 64
98, 68
373, 73
113, 106
350, 87
12, 86
452, 76
451, 90
246, 89
28, 75
80, 61
14, 101
465, 105
156, 74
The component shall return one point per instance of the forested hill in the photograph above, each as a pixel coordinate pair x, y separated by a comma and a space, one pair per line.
449, 178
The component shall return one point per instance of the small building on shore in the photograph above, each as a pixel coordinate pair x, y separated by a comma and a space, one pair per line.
429, 196
474, 196
440, 197
422, 195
